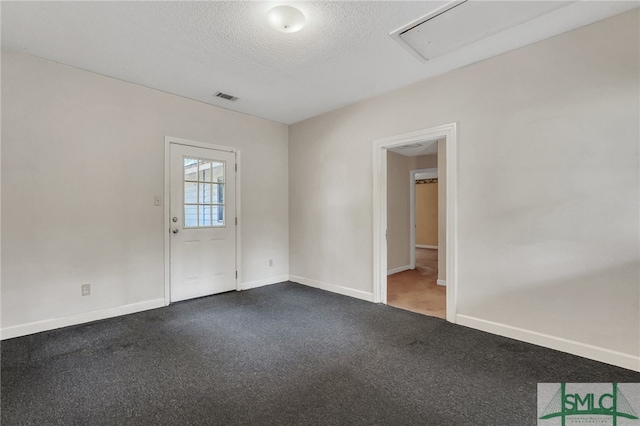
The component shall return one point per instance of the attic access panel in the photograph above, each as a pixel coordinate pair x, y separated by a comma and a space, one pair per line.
462, 22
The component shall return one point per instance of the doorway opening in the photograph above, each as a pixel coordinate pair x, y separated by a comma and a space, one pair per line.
445, 136
420, 285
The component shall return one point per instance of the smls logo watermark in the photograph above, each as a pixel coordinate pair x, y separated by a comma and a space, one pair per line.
593, 404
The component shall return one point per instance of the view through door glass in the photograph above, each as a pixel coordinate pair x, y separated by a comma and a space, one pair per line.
204, 186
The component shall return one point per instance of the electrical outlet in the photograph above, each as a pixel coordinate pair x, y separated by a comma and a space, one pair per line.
86, 289
270, 262
157, 201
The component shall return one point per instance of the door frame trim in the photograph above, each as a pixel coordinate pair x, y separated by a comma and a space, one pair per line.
168, 141
449, 133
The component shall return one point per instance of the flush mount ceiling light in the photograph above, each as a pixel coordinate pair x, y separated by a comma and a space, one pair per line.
286, 19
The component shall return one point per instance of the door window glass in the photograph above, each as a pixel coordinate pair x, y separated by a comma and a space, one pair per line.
203, 199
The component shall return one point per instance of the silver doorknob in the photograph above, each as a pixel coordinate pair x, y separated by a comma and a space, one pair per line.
174, 230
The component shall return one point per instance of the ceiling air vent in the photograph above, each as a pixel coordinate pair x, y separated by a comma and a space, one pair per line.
462, 22
226, 96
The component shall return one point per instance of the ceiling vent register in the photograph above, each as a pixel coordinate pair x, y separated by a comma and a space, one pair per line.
226, 96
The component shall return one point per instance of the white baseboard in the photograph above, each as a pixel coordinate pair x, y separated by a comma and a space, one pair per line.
263, 282
399, 269
596, 353
441, 282
426, 246
345, 291
51, 324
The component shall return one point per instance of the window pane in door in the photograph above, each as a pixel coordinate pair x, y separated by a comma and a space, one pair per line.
190, 216
217, 172
205, 171
217, 194
204, 216
203, 193
190, 193
190, 169
218, 215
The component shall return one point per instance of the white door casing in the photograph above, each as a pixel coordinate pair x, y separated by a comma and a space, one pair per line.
201, 220
448, 132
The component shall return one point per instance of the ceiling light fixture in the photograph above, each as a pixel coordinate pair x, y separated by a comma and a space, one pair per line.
286, 19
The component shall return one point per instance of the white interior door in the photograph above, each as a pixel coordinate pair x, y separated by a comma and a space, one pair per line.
202, 221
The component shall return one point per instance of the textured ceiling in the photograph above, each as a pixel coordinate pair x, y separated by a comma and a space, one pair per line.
194, 49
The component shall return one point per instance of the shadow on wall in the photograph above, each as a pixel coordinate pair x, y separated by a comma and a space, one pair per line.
575, 308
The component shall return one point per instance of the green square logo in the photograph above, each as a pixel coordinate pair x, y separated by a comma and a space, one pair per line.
593, 404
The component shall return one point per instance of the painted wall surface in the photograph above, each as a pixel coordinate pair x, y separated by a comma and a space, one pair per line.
398, 166
427, 214
547, 158
442, 212
398, 205
424, 162
83, 158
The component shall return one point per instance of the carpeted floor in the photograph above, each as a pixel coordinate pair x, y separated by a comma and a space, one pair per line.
284, 354
416, 290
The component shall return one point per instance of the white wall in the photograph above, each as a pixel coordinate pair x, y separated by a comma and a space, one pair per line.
426, 214
398, 210
442, 212
398, 206
425, 162
547, 187
82, 158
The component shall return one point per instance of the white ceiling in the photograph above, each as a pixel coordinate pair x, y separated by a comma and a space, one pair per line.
417, 149
194, 49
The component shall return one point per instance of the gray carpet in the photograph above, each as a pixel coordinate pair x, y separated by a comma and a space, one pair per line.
280, 355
